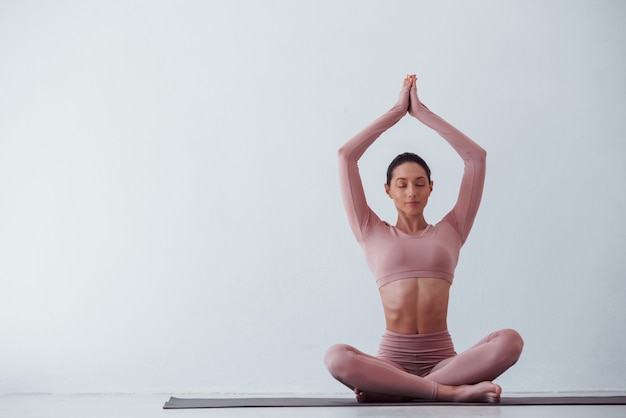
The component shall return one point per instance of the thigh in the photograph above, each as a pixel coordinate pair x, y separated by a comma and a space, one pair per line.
486, 360
342, 357
447, 361
373, 375
378, 359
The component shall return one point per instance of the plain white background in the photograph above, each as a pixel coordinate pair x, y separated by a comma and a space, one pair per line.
170, 217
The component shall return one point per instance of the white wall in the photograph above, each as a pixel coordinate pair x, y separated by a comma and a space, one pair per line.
170, 217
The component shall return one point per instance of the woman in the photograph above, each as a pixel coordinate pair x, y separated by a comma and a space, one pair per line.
414, 264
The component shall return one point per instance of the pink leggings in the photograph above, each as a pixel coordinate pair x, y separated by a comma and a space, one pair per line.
413, 365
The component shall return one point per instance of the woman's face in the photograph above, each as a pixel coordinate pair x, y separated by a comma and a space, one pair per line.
409, 188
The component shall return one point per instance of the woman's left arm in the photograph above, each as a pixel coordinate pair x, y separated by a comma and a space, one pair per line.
474, 157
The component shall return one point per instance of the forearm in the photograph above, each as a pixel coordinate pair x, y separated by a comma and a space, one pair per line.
356, 147
462, 144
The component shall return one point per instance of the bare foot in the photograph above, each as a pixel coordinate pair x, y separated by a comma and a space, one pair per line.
374, 397
480, 392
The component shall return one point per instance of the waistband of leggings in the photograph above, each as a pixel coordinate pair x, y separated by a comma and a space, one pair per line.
429, 335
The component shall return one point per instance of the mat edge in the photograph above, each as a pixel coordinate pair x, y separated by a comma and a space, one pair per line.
349, 402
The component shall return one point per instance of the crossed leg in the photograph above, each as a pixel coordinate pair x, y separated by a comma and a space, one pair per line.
375, 379
486, 360
462, 378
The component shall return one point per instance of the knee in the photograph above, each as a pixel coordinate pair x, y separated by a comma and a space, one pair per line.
338, 360
513, 345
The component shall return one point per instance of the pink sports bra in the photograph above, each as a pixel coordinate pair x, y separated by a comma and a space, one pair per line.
390, 253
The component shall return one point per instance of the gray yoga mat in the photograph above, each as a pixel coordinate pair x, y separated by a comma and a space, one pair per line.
185, 403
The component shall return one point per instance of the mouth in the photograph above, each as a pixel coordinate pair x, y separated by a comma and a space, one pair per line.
412, 203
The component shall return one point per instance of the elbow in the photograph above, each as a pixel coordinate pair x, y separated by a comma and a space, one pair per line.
476, 157
343, 153
482, 155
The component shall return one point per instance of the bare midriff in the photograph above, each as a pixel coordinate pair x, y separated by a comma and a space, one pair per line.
416, 305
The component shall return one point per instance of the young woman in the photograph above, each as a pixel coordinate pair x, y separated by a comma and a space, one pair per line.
414, 263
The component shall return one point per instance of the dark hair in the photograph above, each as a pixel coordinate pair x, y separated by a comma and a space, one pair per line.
407, 157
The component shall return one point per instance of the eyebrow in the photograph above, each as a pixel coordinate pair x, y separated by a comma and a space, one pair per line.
416, 178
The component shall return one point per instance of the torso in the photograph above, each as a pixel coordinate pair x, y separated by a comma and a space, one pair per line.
413, 273
416, 305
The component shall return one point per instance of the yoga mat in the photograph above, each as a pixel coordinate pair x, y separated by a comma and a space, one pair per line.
185, 403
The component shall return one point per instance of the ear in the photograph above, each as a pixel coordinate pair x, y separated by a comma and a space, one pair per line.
388, 190
432, 183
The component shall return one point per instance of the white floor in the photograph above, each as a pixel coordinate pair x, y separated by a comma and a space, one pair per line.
144, 406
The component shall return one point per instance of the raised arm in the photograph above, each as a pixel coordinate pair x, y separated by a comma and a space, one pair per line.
474, 157
360, 216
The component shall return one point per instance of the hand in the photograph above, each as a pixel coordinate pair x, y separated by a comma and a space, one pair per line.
413, 100
408, 81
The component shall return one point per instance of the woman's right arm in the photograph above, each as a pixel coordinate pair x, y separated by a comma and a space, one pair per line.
360, 216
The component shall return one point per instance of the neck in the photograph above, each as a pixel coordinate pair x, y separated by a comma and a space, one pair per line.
413, 225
